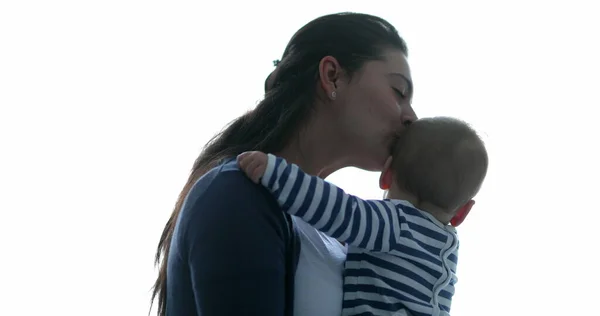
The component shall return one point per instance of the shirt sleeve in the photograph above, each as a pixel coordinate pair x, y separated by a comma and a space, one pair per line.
236, 241
368, 224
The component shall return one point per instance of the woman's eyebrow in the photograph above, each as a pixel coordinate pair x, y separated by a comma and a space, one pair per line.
405, 78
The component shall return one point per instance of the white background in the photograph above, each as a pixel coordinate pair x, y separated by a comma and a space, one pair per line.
104, 105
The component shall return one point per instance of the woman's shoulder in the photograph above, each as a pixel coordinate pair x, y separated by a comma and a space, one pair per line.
222, 181
227, 185
224, 198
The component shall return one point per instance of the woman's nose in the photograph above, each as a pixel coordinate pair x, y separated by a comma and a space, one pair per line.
408, 116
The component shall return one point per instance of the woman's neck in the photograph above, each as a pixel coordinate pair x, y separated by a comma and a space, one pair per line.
317, 149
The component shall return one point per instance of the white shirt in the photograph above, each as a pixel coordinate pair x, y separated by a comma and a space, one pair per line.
319, 274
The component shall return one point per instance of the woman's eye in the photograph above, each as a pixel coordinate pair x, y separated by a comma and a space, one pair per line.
401, 94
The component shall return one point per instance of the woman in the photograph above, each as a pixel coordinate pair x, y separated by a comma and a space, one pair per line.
337, 98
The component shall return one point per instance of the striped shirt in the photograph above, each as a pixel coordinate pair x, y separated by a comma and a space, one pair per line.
401, 261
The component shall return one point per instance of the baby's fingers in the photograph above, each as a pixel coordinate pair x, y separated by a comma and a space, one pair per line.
254, 171
244, 160
253, 164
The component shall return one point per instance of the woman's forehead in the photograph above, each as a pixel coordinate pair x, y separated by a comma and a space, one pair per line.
393, 65
395, 62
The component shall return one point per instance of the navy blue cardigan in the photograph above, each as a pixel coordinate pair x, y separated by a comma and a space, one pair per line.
233, 252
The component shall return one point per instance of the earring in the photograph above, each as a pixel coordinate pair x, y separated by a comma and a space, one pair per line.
333, 95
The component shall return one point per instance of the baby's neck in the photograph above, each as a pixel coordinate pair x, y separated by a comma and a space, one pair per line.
439, 214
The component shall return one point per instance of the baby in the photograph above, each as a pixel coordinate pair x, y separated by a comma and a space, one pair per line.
402, 250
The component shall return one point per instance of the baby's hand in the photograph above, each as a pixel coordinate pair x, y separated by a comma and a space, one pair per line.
254, 164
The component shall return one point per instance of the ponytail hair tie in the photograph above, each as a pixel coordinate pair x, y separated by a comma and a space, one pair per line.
276, 62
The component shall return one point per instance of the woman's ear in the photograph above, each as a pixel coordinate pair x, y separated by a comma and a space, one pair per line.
330, 72
386, 177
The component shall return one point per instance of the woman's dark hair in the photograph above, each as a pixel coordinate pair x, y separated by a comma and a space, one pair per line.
352, 38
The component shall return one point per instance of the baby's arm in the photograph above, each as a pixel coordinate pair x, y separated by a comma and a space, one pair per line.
371, 224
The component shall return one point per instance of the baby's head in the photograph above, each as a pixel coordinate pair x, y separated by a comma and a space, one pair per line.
438, 165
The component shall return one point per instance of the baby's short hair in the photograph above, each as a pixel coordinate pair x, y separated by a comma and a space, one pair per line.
440, 160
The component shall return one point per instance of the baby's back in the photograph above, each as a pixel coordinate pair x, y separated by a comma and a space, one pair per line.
418, 274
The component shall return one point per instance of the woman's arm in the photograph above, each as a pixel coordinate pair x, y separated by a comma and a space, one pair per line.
236, 242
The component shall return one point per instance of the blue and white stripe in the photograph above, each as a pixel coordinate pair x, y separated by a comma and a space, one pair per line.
402, 261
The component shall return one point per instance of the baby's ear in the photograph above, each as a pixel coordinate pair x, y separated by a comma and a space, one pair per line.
386, 177
462, 213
